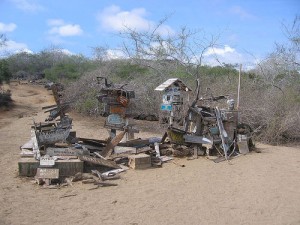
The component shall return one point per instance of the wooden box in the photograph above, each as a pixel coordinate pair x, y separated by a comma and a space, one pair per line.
140, 161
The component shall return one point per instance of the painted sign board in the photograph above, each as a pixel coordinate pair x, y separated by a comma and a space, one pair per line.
47, 161
166, 107
115, 119
47, 173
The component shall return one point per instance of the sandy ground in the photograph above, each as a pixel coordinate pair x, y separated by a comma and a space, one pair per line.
258, 188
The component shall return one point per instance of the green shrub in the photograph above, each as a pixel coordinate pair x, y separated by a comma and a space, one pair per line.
5, 99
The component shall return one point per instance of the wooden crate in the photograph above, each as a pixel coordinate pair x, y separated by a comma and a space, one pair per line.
140, 161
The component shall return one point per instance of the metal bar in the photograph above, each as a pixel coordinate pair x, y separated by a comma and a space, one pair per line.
223, 133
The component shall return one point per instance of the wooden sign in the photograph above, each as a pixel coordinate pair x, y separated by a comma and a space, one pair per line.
47, 173
115, 119
117, 110
166, 107
47, 161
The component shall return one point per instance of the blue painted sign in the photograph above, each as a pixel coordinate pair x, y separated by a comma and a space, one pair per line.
165, 107
115, 119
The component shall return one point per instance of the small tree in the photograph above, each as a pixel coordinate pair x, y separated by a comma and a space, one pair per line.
2, 40
5, 73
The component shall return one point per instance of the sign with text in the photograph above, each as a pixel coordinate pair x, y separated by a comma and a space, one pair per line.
47, 173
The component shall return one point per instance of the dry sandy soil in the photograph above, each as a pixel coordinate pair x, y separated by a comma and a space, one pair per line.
252, 189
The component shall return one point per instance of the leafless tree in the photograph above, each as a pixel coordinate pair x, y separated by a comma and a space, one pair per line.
3, 40
184, 49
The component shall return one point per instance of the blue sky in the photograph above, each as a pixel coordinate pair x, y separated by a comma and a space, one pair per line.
249, 26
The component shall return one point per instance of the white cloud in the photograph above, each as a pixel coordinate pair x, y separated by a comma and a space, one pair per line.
114, 54
28, 5
7, 27
67, 52
12, 47
228, 55
55, 22
113, 18
243, 14
66, 30
58, 28
219, 51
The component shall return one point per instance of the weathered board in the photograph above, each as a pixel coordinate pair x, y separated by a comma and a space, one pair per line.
28, 167
110, 146
99, 161
123, 149
47, 173
117, 110
115, 119
140, 161
65, 151
53, 136
47, 161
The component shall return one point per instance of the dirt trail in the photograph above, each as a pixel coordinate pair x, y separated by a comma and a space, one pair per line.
257, 188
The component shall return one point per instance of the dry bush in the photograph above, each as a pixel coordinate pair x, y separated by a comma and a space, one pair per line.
5, 99
274, 114
83, 92
271, 112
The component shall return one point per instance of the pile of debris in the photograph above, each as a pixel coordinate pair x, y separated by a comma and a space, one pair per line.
54, 155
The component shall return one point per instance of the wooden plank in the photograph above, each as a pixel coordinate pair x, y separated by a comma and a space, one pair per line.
110, 146
135, 143
124, 149
47, 173
143, 149
99, 161
65, 151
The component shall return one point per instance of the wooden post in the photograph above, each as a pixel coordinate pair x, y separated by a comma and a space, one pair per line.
239, 87
171, 118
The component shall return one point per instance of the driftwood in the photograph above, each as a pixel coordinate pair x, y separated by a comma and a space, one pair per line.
82, 176
67, 195
88, 181
102, 184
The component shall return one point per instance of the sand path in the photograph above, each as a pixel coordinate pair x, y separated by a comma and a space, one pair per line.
252, 189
